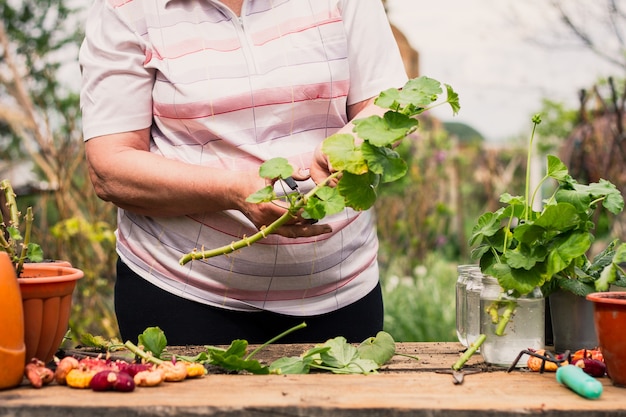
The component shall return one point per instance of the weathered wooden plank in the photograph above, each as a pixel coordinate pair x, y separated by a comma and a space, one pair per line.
404, 388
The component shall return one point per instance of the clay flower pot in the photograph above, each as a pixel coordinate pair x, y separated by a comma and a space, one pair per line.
12, 349
47, 300
610, 321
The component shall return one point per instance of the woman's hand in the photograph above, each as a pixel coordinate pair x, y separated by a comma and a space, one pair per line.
263, 214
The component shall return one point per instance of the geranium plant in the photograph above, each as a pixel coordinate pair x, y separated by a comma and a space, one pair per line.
548, 248
360, 165
15, 243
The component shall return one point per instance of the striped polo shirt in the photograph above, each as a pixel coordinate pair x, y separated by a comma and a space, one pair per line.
230, 92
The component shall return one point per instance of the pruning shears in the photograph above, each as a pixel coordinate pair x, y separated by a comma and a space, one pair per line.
291, 183
458, 376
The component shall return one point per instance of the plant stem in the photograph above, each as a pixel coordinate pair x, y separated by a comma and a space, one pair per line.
9, 196
469, 352
141, 353
528, 163
509, 310
27, 231
407, 356
11, 203
261, 234
275, 338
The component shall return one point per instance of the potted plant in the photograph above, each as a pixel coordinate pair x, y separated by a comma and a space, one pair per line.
525, 249
610, 321
46, 287
571, 312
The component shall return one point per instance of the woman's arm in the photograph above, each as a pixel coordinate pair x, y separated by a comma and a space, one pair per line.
124, 172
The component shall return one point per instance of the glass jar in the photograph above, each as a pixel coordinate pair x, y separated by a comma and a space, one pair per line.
511, 324
472, 308
464, 272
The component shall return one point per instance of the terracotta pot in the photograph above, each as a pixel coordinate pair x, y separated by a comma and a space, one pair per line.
610, 321
47, 300
12, 349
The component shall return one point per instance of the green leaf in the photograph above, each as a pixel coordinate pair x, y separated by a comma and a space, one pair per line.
559, 217
298, 365
582, 196
329, 201
380, 348
575, 286
291, 365
384, 161
607, 277
340, 354
487, 225
418, 93
520, 280
620, 254
604, 258
333, 201
276, 168
234, 363
453, 99
565, 249
14, 233
613, 200
480, 250
34, 253
232, 358
264, 195
556, 169
325, 202
153, 340
384, 131
201, 357
358, 190
526, 257
314, 209
343, 155
237, 348
87, 339
528, 233
610, 273
357, 366
507, 198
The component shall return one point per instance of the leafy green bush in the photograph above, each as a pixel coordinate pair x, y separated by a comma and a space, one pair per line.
421, 307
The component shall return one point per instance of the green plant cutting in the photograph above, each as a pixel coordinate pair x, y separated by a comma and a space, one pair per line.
335, 355
360, 165
17, 245
524, 249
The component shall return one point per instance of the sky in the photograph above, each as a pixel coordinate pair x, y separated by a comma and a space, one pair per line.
501, 56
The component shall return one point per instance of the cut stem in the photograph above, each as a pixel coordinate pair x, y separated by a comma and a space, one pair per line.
469, 352
509, 310
142, 354
261, 234
24, 252
275, 338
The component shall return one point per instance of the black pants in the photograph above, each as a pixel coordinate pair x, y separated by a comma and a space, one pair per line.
139, 304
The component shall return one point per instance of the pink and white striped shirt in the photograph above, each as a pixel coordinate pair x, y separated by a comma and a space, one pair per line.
231, 92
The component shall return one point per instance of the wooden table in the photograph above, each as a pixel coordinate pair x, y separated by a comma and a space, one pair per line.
404, 387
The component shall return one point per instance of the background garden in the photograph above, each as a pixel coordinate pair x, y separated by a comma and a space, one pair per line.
424, 220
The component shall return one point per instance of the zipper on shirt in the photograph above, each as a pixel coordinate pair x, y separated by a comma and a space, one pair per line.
240, 28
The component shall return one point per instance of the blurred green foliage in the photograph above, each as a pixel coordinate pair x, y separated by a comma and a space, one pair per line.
420, 307
40, 127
